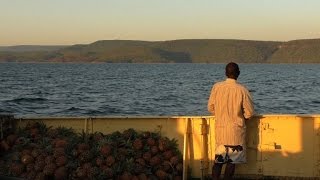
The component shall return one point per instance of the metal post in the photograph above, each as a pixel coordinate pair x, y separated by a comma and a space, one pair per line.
204, 159
86, 125
186, 148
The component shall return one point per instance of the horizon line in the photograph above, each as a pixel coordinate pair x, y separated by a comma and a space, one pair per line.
153, 41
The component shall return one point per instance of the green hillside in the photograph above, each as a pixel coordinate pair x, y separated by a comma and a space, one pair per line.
176, 51
298, 51
27, 53
27, 56
28, 48
218, 51
109, 51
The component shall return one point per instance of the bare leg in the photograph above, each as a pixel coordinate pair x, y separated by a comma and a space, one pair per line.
229, 171
216, 170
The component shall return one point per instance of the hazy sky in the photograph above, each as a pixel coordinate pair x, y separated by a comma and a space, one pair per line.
58, 22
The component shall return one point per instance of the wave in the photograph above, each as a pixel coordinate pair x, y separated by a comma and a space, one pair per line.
92, 112
74, 109
315, 102
27, 99
4, 111
132, 89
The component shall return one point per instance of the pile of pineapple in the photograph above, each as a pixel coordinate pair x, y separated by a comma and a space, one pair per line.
39, 152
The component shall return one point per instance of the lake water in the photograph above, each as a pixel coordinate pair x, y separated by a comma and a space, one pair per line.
150, 89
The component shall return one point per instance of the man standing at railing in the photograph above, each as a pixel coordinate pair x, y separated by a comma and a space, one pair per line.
231, 103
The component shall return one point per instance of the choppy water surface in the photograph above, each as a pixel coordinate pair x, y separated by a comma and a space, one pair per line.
150, 89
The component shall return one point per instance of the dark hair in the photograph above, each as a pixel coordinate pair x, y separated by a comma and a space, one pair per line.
232, 70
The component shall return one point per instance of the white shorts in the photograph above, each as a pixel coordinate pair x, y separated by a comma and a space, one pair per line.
230, 154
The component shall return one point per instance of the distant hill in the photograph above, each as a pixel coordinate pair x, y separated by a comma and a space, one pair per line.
28, 48
176, 51
298, 51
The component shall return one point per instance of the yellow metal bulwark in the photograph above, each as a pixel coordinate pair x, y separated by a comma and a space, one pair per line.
277, 145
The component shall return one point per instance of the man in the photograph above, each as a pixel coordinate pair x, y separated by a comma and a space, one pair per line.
231, 103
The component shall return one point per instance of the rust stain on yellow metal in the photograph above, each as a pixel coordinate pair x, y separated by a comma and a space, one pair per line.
277, 145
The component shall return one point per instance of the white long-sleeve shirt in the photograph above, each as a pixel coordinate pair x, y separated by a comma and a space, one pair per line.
231, 103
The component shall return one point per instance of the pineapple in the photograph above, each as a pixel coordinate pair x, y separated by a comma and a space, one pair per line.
4, 145
57, 152
116, 134
60, 143
15, 156
137, 144
154, 150
34, 132
75, 153
120, 157
61, 173
11, 139
99, 161
155, 160
134, 177
30, 167
41, 157
137, 154
83, 147
81, 173
24, 175
98, 136
49, 159
105, 149
25, 151
110, 160
33, 129
93, 172
123, 151
52, 133
161, 174
31, 175
108, 172
130, 155
174, 160
138, 168
166, 166
179, 167
152, 177
49, 169
151, 141
142, 176
16, 169
163, 144
21, 141
167, 155
32, 125
141, 161
146, 134
121, 154
27, 159
3, 167
35, 152
38, 166
125, 176
86, 166
85, 156
61, 161
40, 176
147, 156
64, 132
129, 133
